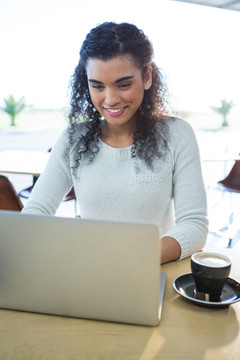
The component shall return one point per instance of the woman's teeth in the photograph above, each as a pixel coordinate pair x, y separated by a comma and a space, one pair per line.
115, 110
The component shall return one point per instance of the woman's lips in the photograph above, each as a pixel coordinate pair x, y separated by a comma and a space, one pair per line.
115, 111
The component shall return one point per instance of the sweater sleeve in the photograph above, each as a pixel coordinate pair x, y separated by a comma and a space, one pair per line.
54, 182
189, 193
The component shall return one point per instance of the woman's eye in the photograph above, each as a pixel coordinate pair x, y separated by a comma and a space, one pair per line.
97, 87
125, 85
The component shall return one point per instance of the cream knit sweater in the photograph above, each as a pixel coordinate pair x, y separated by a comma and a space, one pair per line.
118, 187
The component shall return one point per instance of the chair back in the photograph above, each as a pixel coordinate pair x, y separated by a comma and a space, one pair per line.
9, 199
232, 181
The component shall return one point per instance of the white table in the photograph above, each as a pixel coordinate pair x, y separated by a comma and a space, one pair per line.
23, 162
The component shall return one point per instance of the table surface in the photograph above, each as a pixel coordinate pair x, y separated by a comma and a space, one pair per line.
23, 162
186, 331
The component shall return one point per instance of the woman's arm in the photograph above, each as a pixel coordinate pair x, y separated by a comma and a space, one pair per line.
189, 193
53, 184
170, 249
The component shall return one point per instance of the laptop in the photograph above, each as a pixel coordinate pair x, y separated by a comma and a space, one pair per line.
88, 269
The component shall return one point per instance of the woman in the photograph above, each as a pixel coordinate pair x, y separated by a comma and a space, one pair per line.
128, 160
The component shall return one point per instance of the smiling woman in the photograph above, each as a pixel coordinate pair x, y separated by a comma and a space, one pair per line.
129, 160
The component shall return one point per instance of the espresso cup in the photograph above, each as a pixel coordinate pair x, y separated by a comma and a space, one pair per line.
210, 272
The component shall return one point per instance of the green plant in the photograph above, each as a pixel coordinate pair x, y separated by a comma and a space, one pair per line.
224, 110
13, 107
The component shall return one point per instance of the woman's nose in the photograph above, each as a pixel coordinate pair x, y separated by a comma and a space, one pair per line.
111, 97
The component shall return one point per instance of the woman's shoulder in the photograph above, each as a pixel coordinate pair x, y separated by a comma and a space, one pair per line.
177, 132
172, 127
75, 131
78, 127
69, 136
177, 123
178, 127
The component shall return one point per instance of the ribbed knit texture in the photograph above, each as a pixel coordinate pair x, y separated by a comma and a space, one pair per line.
118, 187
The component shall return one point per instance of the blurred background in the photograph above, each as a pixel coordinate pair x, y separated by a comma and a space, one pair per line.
195, 46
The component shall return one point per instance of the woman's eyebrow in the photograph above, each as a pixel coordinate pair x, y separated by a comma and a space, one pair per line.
124, 78
95, 81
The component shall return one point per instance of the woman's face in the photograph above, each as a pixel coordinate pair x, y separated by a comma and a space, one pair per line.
117, 88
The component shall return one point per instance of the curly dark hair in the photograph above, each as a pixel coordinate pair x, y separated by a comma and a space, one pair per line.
105, 42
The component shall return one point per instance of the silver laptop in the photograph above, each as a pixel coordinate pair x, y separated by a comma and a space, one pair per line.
81, 268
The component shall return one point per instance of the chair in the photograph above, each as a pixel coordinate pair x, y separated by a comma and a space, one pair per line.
25, 193
9, 199
230, 184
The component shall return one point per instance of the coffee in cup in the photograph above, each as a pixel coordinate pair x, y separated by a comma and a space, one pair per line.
210, 272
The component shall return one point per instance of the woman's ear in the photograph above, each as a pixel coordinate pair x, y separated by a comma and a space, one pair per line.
148, 78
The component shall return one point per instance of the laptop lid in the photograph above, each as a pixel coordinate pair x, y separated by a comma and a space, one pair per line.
82, 268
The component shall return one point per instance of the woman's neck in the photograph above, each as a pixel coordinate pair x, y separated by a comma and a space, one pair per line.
117, 136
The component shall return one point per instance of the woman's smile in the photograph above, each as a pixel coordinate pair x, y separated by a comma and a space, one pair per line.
115, 112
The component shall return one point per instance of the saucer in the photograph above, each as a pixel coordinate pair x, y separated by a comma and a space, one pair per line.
184, 285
